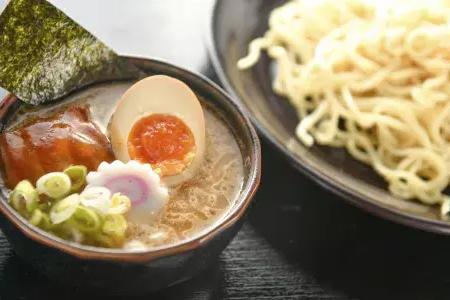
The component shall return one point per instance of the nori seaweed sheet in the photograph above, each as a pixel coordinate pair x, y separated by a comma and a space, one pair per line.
44, 54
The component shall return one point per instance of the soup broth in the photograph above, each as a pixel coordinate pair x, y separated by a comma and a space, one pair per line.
200, 202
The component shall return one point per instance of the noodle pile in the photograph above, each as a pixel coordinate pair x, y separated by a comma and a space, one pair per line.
370, 77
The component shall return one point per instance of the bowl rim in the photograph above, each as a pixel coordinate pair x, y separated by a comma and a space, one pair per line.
97, 253
350, 195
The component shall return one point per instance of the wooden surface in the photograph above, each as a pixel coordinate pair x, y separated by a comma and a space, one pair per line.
299, 241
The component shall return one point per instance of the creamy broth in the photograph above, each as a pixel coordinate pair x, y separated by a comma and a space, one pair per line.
198, 203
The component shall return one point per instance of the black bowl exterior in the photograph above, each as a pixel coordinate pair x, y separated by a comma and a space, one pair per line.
128, 272
115, 277
233, 25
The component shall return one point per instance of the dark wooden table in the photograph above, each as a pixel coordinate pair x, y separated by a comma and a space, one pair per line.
299, 241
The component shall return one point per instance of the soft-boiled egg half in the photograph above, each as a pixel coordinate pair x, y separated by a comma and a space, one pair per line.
160, 121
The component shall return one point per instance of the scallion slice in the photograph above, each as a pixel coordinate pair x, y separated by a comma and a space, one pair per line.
64, 209
40, 219
69, 232
106, 241
97, 197
24, 198
77, 175
85, 220
120, 204
36, 217
55, 185
115, 226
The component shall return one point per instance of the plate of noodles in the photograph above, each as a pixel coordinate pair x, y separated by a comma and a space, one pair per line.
355, 93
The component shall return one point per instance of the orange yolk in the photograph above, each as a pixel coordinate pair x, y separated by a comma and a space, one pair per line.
164, 141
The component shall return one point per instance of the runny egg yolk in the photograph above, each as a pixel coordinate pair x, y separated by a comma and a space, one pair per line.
164, 141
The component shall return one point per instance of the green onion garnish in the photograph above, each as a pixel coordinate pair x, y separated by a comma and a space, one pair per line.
40, 219
115, 226
120, 204
55, 185
85, 220
64, 209
77, 175
24, 198
93, 217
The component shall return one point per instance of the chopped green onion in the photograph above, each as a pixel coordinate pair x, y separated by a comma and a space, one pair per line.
76, 235
85, 220
45, 224
115, 226
68, 232
106, 241
45, 207
64, 209
40, 219
120, 204
24, 198
93, 217
55, 185
77, 175
97, 197
36, 217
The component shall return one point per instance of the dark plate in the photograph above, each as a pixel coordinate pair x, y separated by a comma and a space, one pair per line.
233, 25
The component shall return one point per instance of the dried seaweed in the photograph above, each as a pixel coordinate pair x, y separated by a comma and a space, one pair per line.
44, 54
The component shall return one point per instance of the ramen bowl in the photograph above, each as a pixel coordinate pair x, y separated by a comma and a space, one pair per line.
120, 271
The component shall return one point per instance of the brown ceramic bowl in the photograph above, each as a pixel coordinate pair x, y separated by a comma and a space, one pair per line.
233, 25
133, 272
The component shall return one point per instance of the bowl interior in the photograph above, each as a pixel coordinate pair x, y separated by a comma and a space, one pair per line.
233, 26
102, 98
